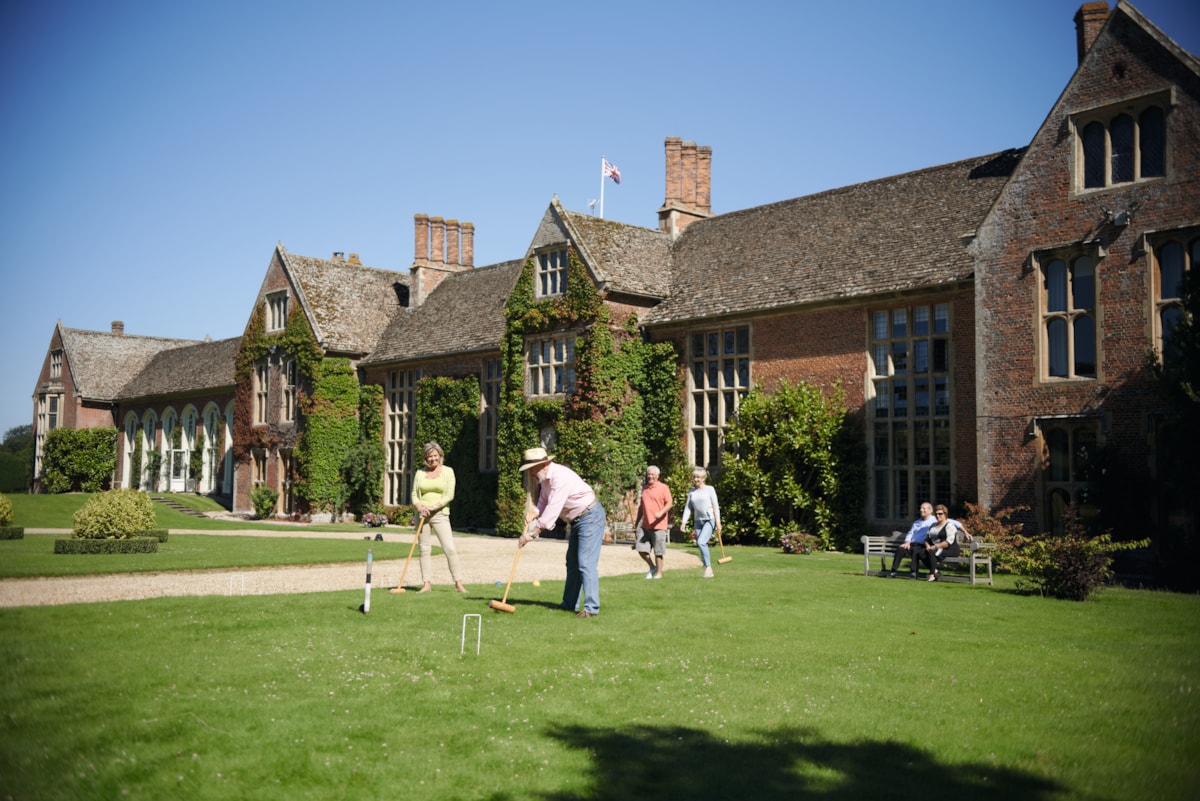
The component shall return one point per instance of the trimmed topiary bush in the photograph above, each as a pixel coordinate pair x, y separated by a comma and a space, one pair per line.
119, 513
12, 533
6, 511
128, 545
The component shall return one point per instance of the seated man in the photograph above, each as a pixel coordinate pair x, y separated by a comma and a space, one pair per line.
914, 541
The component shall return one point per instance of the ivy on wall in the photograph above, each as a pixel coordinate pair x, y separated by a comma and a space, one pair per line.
625, 410
330, 431
449, 415
362, 469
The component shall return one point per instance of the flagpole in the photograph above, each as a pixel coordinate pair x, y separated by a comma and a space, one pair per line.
602, 160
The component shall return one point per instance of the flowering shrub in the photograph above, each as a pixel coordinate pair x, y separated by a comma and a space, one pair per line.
373, 520
798, 542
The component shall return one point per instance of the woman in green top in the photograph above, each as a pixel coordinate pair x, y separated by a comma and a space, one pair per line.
433, 489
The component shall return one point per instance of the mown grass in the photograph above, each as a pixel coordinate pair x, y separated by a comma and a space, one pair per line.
57, 512
34, 555
786, 677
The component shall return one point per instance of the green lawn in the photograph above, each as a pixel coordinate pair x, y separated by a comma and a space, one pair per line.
786, 677
57, 511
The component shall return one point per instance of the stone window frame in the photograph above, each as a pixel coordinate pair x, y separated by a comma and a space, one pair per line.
720, 374
1063, 465
261, 377
909, 369
1099, 122
258, 467
399, 427
277, 311
56, 362
287, 395
553, 365
1071, 315
287, 481
491, 378
1187, 241
550, 272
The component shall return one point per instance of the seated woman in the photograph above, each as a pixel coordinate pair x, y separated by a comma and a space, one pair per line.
942, 540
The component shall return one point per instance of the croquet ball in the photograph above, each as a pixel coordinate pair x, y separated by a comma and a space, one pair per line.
499, 583
537, 583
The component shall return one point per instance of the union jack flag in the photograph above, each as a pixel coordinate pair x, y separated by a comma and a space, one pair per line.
611, 171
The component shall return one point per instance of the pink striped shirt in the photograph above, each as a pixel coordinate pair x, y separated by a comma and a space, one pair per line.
563, 495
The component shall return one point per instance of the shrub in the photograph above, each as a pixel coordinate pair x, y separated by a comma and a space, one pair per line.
159, 534
129, 545
263, 499
12, 533
798, 542
372, 520
789, 465
401, 515
1071, 566
119, 513
79, 459
6, 511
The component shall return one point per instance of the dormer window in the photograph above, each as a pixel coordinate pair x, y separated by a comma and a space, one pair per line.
551, 278
56, 364
277, 311
1122, 144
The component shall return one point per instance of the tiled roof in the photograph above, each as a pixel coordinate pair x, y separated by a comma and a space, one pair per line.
101, 363
626, 257
465, 312
350, 303
192, 368
888, 235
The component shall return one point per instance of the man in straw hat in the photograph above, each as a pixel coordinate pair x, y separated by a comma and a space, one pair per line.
562, 495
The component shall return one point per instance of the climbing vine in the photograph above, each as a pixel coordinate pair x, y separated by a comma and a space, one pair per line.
330, 431
604, 429
362, 469
449, 415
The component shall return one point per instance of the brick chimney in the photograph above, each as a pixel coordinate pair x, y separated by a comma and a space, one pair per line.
440, 247
1089, 19
688, 194
118, 328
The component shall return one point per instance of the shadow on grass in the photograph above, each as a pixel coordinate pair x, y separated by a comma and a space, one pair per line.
791, 764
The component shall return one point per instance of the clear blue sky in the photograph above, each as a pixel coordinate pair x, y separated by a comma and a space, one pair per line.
152, 153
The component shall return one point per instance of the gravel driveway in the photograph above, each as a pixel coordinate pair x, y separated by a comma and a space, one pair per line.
485, 560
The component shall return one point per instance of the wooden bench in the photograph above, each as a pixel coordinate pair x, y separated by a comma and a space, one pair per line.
978, 555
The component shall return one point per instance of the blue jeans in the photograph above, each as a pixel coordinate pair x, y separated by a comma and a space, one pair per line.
704, 532
583, 560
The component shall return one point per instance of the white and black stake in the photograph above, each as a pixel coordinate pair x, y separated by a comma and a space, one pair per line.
366, 604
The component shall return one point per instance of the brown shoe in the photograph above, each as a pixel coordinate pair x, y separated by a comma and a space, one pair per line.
584, 613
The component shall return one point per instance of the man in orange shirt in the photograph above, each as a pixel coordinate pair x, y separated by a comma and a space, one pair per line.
652, 523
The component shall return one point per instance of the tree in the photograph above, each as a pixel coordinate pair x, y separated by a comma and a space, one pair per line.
16, 459
1177, 379
794, 462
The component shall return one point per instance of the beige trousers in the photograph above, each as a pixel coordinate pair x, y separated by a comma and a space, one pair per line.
439, 524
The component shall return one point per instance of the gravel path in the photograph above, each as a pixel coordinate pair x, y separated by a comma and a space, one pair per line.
484, 560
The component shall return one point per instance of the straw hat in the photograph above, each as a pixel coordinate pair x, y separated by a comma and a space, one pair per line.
534, 457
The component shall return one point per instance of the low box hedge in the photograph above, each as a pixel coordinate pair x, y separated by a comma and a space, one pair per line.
78, 545
159, 534
12, 532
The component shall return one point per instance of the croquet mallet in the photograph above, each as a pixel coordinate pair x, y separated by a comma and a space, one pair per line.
502, 605
399, 588
723, 558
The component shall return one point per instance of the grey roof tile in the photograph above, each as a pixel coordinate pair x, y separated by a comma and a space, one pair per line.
627, 258
465, 312
192, 368
350, 303
889, 235
101, 362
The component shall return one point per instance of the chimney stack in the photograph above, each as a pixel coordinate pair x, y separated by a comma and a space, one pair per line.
689, 186
1089, 19
441, 246
353, 259
118, 328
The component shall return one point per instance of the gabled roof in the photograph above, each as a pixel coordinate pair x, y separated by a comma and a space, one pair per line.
623, 258
101, 363
347, 304
191, 368
889, 235
464, 313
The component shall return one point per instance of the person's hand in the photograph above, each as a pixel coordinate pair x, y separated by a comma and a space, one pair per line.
526, 538
906, 545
